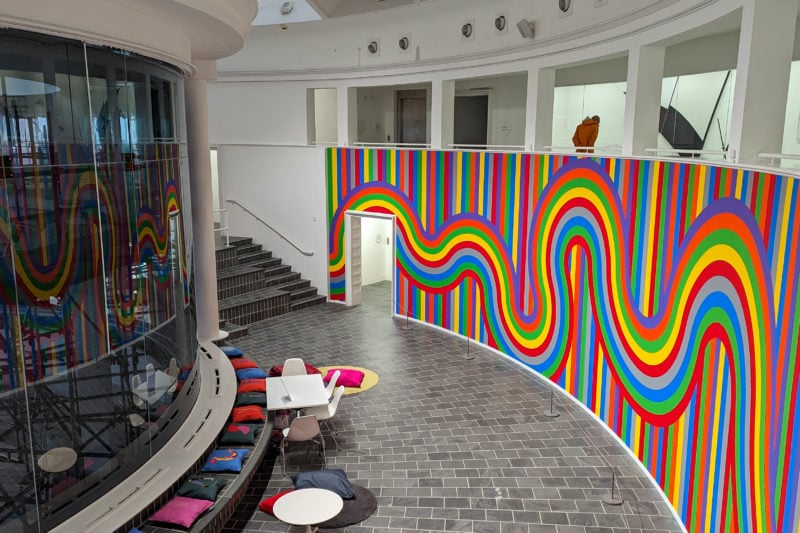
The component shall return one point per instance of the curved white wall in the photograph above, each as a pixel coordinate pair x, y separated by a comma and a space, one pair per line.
337, 47
176, 31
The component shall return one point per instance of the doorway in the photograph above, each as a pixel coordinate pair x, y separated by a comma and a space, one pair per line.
412, 117
471, 119
369, 252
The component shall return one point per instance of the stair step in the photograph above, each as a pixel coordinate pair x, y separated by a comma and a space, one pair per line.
301, 294
239, 241
281, 278
252, 257
225, 256
250, 297
254, 306
266, 263
248, 249
236, 331
293, 285
277, 270
238, 280
238, 270
307, 302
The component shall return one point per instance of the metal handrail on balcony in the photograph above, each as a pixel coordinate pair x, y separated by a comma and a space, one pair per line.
582, 151
489, 147
265, 223
391, 145
772, 157
693, 154
223, 225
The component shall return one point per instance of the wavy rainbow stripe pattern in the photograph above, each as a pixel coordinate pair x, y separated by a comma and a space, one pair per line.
663, 296
60, 221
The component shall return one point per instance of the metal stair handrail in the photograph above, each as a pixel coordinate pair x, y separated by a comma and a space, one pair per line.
278, 233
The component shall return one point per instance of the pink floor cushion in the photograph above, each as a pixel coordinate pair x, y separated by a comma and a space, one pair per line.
181, 511
267, 504
347, 377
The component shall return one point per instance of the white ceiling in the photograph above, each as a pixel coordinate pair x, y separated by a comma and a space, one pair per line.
269, 11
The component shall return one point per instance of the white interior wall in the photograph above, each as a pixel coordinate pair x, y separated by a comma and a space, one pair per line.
257, 113
375, 114
325, 116
376, 250
572, 104
507, 96
284, 186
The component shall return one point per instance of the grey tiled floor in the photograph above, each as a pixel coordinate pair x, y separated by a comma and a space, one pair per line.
447, 441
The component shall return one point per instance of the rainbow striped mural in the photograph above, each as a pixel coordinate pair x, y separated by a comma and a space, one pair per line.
663, 296
66, 228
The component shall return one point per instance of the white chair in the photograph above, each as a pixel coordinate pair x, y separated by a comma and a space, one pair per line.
303, 428
324, 413
173, 372
294, 366
136, 382
332, 384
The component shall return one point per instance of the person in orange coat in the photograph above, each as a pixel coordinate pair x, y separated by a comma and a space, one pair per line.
586, 134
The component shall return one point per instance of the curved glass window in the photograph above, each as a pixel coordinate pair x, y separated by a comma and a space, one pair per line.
97, 332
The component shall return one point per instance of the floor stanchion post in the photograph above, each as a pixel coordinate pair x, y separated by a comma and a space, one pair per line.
551, 412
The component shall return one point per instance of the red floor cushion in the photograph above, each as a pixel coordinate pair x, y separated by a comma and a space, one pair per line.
267, 504
252, 385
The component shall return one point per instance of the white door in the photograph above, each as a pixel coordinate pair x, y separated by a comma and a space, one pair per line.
352, 226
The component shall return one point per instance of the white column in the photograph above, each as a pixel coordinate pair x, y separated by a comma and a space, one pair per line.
346, 114
311, 117
437, 111
766, 44
643, 101
448, 113
205, 264
539, 108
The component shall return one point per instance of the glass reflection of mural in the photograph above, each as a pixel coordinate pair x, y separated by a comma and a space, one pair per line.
96, 329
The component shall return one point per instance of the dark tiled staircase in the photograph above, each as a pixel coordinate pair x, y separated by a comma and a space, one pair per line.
252, 286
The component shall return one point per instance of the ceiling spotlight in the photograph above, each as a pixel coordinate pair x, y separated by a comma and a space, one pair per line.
286, 8
525, 28
468, 30
564, 5
403, 43
373, 47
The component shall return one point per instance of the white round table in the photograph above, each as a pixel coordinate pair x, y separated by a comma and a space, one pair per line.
57, 459
305, 507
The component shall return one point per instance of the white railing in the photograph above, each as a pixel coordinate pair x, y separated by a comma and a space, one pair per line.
223, 224
729, 155
392, 145
583, 151
265, 223
772, 157
490, 147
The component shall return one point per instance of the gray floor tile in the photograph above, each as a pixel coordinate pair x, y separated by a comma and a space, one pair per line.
446, 442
